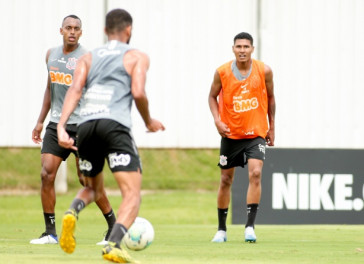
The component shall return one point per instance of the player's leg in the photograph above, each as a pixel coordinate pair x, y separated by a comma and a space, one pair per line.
226, 180
255, 167
50, 164
108, 213
255, 153
223, 202
129, 183
253, 196
231, 155
124, 162
51, 158
91, 162
92, 190
103, 203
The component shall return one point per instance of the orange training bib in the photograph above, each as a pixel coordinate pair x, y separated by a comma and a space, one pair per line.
243, 105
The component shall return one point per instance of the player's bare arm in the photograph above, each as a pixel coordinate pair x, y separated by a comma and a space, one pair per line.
137, 64
36, 133
216, 87
71, 100
271, 105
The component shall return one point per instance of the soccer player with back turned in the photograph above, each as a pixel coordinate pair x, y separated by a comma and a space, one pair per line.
241, 98
112, 76
61, 62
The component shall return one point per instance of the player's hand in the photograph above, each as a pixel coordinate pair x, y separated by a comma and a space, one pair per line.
64, 140
222, 128
270, 138
154, 126
36, 133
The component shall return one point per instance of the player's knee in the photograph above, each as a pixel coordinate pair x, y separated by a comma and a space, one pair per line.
47, 177
226, 180
255, 176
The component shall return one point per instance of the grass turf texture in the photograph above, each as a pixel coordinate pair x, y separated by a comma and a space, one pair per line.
162, 169
184, 223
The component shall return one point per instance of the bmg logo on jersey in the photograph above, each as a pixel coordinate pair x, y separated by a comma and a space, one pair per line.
245, 105
119, 160
60, 78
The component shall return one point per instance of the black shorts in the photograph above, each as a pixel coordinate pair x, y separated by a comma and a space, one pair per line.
105, 138
50, 141
234, 151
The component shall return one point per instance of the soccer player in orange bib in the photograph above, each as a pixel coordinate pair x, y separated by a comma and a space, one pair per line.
243, 106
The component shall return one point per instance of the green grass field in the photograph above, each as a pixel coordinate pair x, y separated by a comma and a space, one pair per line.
182, 208
184, 223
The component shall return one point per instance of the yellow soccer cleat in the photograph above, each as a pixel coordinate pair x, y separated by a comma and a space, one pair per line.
67, 240
115, 254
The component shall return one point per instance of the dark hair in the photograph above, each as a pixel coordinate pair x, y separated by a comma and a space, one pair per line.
117, 20
244, 35
72, 16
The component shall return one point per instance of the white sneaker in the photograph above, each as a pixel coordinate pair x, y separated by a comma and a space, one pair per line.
219, 237
102, 243
105, 239
250, 234
45, 239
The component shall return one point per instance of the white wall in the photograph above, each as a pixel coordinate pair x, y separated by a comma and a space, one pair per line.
29, 29
316, 49
186, 41
313, 46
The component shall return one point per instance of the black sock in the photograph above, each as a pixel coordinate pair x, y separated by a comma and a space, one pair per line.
50, 223
252, 212
222, 215
110, 219
77, 205
117, 233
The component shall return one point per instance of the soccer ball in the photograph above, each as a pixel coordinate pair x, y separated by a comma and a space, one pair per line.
140, 235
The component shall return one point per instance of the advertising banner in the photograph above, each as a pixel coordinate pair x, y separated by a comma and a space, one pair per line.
305, 186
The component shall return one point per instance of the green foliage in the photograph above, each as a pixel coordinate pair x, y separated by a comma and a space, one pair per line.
19, 168
180, 169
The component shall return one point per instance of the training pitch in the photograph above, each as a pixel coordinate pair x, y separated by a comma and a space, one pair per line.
184, 224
